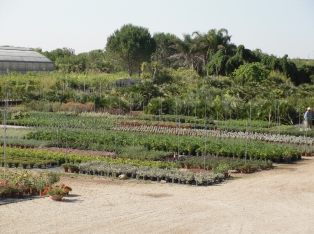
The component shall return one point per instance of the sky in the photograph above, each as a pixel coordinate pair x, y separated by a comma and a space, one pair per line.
276, 27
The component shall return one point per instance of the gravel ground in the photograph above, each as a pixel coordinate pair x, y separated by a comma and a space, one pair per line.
273, 201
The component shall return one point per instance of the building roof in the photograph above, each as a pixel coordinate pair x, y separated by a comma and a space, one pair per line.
20, 54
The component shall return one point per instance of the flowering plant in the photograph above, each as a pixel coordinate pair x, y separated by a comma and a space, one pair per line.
21, 187
4, 188
61, 190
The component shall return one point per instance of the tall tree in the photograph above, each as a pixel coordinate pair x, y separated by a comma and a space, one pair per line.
217, 63
164, 49
185, 52
130, 46
97, 61
251, 72
209, 43
242, 56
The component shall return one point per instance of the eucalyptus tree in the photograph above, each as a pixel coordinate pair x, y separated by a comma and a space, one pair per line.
129, 47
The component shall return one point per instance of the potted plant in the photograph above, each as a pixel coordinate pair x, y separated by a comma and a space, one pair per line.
65, 166
287, 155
57, 192
14, 190
31, 164
199, 178
5, 189
73, 167
21, 188
40, 186
16, 164
223, 169
24, 164
10, 163
39, 164
187, 164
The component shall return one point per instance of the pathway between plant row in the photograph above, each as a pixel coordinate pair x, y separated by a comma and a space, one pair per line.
274, 201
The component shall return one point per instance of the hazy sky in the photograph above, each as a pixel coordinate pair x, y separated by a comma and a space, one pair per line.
276, 27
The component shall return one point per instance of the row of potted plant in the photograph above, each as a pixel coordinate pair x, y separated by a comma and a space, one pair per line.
267, 137
228, 147
27, 163
70, 167
61, 120
105, 120
173, 175
222, 164
44, 155
19, 182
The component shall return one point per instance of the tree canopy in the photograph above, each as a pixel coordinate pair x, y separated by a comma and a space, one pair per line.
130, 46
251, 72
132, 49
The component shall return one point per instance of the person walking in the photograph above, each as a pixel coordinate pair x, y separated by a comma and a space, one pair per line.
308, 118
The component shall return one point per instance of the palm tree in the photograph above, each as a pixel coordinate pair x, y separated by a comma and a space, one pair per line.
185, 52
212, 41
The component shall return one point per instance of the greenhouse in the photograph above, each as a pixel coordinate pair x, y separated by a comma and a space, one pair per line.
23, 60
127, 82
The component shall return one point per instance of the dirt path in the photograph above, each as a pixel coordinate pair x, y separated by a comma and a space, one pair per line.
275, 201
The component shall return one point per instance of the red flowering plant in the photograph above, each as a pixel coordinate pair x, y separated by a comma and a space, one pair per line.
4, 188
56, 189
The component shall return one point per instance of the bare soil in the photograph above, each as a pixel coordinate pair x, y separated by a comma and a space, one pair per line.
273, 201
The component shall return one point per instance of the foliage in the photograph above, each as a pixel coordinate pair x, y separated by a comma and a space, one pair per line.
242, 56
130, 46
185, 53
66, 61
216, 66
164, 49
214, 42
21, 180
59, 189
251, 73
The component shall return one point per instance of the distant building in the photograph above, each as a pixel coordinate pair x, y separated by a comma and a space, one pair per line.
127, 82
22, 60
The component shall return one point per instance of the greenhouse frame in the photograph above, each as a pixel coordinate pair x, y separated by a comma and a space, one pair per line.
23, 60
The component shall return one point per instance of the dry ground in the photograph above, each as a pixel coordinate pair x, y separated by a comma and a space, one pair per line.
275, 201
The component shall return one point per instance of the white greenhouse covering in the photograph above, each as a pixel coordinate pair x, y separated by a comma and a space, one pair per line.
22, 60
